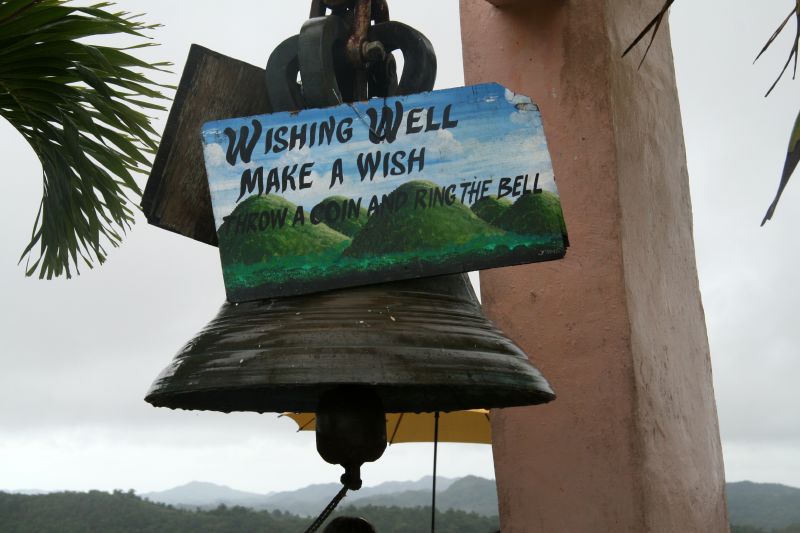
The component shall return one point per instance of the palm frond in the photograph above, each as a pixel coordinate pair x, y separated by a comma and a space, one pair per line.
654, 25
793, 151
792, 53
81, 108
789, 166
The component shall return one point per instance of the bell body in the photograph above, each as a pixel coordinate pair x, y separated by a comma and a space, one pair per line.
422, 345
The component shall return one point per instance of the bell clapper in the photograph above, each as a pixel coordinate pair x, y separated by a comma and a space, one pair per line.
351, 477
351, 430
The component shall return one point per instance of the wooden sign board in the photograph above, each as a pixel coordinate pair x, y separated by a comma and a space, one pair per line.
404, 187
213, 86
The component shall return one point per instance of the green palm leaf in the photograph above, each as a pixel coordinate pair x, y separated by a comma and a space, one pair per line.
81, 108
653, 26
793, 153
792, 52
789, 166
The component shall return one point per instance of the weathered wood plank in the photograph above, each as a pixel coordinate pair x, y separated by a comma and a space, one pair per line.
213, 86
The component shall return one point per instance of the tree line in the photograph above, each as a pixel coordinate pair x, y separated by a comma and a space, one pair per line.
125, 512
794, 528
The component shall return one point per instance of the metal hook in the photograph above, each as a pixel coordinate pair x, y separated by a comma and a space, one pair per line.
319, 55
282, 70
419, 70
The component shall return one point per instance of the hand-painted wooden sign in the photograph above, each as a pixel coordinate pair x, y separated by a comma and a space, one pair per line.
434, 183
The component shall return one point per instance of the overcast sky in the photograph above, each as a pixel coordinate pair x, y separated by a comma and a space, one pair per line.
76, 357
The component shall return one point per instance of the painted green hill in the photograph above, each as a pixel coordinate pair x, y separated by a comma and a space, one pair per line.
407, 229
254, 233
489, 208
349, 224
533, 214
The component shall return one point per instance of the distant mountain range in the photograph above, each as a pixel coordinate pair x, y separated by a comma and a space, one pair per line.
766, 506
763, 505
200, 494
471, 494
125, 512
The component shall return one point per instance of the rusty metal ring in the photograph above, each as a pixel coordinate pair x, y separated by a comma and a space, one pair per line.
318, 42
382, 77
282, 69
318, 55
419, 70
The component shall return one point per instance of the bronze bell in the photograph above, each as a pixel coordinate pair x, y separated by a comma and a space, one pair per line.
422, 345
352, 355
348, 355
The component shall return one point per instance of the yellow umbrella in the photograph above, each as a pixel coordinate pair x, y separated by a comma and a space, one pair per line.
470, 426
457, 426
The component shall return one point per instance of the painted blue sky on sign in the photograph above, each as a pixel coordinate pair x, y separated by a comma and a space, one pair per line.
499, 134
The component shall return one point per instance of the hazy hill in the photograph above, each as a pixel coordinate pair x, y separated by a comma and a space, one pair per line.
470, 494
763, 505
310, 500
199, 494
389, 487
760, 505
120, 512
306, 501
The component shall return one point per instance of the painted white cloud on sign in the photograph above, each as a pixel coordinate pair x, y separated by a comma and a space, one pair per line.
214, 155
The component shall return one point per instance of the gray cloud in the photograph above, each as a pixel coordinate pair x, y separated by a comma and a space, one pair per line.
76, 357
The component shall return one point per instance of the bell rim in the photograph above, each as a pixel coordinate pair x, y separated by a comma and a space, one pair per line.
212, 399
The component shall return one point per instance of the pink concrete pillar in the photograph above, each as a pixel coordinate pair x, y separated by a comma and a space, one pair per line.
632, 442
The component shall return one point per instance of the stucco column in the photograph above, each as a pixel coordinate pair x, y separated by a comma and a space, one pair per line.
632, 442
